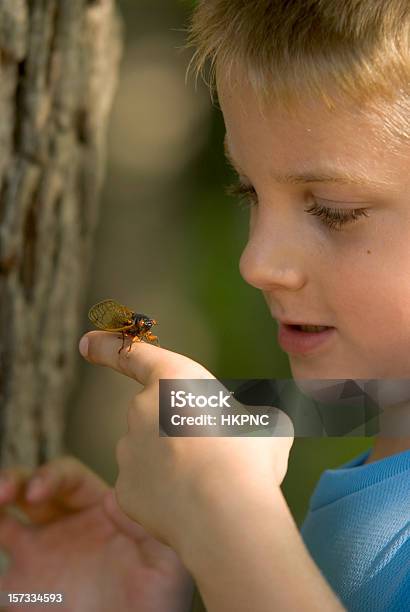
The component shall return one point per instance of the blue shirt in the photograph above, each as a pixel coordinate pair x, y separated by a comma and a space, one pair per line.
357, 530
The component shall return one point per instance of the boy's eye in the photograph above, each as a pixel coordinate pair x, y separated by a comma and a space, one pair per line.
245, 195
333, 218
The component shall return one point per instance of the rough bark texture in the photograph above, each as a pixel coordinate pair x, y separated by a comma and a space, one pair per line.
58, 66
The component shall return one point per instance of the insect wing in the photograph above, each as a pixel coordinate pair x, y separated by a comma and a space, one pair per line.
111, 316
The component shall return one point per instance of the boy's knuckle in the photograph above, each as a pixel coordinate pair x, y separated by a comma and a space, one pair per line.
120, 450
134, 413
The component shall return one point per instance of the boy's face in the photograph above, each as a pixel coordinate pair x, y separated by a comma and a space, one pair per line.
356, 279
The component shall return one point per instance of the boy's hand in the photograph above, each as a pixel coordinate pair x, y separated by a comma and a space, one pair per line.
78, 542
164, 482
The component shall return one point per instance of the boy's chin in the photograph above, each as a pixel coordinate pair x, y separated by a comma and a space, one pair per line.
385, 393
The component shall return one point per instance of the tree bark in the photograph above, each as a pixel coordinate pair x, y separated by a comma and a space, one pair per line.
58, 71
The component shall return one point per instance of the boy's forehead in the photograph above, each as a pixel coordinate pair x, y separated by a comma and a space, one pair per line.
382, 118
243, 109
327, 173
347, 137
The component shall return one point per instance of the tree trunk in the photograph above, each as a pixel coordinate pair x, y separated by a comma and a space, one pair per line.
58, 67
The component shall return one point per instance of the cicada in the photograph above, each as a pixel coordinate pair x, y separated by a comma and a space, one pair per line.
112, 316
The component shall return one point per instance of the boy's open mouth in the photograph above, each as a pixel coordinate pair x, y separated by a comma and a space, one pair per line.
306, 328
309, 328
303, 338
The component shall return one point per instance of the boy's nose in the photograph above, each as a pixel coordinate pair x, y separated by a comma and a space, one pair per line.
266, 265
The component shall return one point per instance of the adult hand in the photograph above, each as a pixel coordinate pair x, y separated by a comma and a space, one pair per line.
78, 542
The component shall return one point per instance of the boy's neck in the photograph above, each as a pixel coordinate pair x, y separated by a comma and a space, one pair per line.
394, 432
384, 447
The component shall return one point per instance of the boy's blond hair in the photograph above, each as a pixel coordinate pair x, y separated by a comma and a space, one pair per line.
351, 50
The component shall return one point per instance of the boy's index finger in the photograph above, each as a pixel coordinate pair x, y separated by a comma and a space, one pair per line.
141, 363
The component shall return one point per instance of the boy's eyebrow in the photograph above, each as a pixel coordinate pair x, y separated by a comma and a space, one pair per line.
318, 176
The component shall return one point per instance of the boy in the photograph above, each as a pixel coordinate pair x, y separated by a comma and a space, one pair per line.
315, 97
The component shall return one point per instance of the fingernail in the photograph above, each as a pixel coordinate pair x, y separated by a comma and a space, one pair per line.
83, 346
35, 488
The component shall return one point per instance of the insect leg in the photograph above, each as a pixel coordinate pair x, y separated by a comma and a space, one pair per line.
123, 338
135, 339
